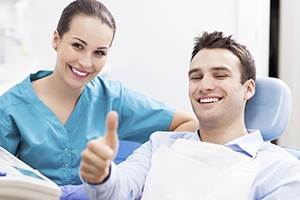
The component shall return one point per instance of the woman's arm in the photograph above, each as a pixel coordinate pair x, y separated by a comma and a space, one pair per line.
184, 121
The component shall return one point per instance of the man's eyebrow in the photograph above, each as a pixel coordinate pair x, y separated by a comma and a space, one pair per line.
213, 69
221, 69
193, 70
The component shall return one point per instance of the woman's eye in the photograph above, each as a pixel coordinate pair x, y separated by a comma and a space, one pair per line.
100, 53
77, 46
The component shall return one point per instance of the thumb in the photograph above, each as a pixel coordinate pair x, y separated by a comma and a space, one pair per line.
111, 136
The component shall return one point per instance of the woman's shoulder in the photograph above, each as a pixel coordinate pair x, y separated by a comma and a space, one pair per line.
104, 87
14, 94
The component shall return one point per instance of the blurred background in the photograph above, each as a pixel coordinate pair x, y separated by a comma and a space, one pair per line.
154, 41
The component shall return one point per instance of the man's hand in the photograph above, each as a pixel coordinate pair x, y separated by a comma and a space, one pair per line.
100, 152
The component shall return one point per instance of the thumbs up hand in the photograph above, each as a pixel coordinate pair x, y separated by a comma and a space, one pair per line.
100, 152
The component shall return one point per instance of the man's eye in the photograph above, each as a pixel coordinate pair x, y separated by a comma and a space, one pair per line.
221, 76
77, 46
195, 77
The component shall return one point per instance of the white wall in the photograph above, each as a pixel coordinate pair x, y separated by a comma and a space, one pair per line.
26, 43
289, 61
154, 39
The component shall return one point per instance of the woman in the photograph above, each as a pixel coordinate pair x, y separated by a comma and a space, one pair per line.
47, 119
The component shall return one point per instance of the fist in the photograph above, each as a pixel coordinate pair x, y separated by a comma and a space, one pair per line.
100, 152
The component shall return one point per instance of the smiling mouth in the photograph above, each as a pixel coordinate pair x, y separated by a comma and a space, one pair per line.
209, 100
79, 73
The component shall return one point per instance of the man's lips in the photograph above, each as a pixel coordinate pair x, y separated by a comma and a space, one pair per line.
208, 100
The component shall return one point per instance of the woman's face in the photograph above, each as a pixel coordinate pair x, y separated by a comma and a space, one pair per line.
82, 51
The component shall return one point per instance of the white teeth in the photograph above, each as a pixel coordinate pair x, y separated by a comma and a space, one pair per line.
78, 72
209, 100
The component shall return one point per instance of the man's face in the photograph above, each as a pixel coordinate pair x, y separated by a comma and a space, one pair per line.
215, 90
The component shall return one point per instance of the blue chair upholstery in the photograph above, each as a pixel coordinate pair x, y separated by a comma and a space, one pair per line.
125, 149
269, 110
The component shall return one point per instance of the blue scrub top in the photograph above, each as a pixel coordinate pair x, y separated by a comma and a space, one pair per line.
31, 131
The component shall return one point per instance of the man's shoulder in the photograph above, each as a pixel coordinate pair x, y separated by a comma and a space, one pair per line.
278, 168
272, 154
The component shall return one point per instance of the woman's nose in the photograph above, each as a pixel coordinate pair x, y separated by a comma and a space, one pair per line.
85, 61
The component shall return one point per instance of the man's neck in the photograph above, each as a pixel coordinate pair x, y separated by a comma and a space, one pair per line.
221, 135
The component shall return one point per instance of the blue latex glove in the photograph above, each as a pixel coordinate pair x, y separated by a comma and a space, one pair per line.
73, 192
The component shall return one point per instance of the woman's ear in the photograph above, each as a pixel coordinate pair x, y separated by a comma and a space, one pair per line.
55, 40
249, 89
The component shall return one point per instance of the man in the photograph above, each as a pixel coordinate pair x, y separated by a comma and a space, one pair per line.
230, 162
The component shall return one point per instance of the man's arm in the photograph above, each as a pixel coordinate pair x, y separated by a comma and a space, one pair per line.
103, 179
287, 186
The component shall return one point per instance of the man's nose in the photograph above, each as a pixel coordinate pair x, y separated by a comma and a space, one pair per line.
206, 84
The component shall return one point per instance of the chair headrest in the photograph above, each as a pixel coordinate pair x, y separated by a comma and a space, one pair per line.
269, 110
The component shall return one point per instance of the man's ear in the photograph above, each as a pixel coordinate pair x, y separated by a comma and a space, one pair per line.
249, 89
55, 40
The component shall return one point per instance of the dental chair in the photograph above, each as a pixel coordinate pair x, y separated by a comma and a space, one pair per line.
269, 110
125, 149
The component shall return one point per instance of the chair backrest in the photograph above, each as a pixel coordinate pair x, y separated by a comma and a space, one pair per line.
269, 110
